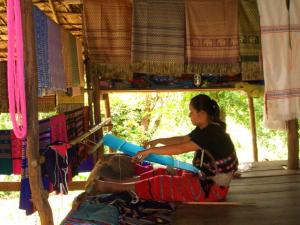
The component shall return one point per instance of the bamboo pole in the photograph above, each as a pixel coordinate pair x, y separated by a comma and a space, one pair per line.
293, 144
253, 128
39, 195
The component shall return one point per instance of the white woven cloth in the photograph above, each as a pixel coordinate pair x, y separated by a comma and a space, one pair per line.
280, 30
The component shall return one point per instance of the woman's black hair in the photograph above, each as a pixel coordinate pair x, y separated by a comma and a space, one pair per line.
210, 106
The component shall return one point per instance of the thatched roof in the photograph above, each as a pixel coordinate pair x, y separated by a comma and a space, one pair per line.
67, 13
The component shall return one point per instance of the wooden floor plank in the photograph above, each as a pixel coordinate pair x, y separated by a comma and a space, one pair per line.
268, 197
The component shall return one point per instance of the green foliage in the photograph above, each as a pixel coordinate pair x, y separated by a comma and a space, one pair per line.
127, 113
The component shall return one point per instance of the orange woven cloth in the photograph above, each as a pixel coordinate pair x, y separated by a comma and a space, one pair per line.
212, 32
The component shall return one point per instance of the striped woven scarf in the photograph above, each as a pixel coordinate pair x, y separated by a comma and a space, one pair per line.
280, 28
250, 43
41, 40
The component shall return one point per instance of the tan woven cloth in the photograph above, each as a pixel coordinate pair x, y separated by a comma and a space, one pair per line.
158, 36
3, 87
80, 61
250, 41
280, 30
108, 26
212, 36
66, 53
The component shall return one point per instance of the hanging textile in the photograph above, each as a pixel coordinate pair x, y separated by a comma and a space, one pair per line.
57, 80
80, 61
58, 128
5, 153
25, 193
212, 36
41, 40
280, 30
158, 36
16, 153
108, 25
66, 52
3, 87
250, 43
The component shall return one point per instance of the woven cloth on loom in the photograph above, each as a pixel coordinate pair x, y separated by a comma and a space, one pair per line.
158, 36
212, 36
250, 43
281, 56
67, 58
41, 40
58, 128
108, 25
3, 87
47, 103
5, 152
56, 67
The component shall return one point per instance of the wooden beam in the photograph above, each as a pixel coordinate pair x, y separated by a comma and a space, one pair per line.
39, 195
91, 131
253, 128
53, 11
15, 186
293, 144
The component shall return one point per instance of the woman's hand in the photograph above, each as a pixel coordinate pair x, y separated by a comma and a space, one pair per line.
151, 144
141, 155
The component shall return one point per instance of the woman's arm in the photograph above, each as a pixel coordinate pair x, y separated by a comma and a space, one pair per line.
175, 149
167, 141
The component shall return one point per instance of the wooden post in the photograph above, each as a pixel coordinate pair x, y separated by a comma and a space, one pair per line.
293, 144
97, 113
107, 109
253, 128
39, 195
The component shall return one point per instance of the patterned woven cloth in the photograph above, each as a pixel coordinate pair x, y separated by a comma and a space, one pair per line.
250, 42
41, 40
67, 58
280, 29
212, 36
158, 36
5, 152
16, 152
108, 26
56, 67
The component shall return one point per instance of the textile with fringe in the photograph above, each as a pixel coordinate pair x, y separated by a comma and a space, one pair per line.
41, 40
280, 28
108, 25
67, 57
250, 42
212, 36
158, 37
56, 67
3, 87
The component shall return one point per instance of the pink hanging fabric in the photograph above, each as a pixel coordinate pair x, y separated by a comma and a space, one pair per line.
15, 71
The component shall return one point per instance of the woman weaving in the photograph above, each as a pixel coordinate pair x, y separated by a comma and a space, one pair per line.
217, 165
